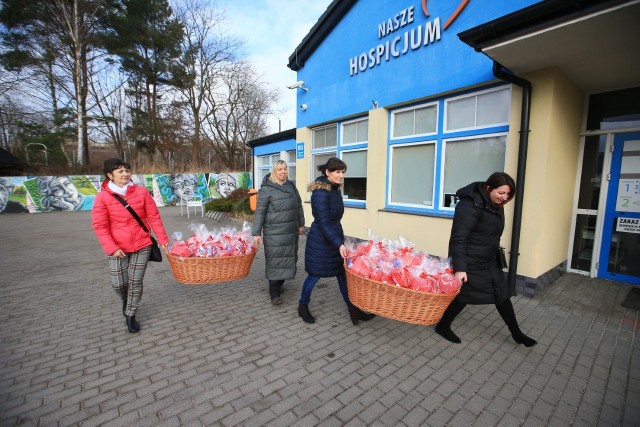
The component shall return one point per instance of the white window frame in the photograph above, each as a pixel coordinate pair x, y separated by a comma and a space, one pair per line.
351, 122
273, 157
390, 175
475, 95
445, 141
414, 107
366, 149
338, 150
440, 138
313, 136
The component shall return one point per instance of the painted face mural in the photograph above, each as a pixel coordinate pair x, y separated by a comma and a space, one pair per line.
225, 184
59, 193
5, 192
184, 185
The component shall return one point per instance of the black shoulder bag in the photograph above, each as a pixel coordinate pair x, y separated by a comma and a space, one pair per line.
156, 254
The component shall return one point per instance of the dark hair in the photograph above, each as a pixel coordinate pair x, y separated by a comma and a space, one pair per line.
112, 164
332, 165
498, 179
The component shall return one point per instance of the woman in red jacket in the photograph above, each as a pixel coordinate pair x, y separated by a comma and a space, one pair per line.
122, 237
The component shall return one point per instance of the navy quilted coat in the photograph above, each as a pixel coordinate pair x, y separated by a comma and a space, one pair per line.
473, 245
322, 253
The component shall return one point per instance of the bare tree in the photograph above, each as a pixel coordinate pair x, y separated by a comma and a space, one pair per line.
205, 52
237, 113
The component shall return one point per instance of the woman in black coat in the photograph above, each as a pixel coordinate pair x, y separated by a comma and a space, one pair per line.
280, 218
474, 249
325, 250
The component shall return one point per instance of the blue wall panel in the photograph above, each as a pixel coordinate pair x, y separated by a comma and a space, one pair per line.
442, 65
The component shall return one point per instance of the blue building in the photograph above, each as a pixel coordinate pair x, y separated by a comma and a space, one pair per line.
424, 97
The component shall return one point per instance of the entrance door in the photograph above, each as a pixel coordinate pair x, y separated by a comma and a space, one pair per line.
620, 251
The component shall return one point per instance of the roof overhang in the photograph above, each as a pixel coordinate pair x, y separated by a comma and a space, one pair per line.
595, 43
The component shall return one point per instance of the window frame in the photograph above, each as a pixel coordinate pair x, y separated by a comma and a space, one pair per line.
351, 122
453, 140
440, 138
412, 207
338, 150
475, 95
414, 108
279, 155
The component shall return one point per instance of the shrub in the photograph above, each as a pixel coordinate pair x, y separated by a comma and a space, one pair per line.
237, 203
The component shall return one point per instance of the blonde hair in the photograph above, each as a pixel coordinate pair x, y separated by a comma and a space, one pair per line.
274, 168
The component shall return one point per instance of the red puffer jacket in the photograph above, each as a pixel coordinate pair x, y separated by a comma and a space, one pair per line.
117, 229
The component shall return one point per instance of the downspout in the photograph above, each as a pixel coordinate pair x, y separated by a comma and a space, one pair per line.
499, 72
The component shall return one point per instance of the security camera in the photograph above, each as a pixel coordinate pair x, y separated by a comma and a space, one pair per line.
303, 107
298, 85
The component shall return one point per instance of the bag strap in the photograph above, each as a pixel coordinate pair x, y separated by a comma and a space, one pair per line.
131, 211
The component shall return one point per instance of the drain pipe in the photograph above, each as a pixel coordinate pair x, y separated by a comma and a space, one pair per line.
500, 72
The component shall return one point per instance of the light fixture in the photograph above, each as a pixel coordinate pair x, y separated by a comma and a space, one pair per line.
298, 85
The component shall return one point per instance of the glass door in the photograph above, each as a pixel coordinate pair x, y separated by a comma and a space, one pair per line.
620, 250
581, 257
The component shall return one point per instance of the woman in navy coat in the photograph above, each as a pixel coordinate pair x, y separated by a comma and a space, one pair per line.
325, 251
473, 248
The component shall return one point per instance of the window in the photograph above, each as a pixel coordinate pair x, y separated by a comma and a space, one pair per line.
347, 141
290, 158
355, 180
412, 174
320, 159
489, 108
420, 120
428, 163
469, 160
355, 132
325, 137
265, 163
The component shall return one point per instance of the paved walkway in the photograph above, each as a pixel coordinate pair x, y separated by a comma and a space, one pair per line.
222, 355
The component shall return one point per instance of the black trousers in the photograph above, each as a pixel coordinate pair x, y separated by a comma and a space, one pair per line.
275, 287
505, 309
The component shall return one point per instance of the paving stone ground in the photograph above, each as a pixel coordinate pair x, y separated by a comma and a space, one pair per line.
220, 354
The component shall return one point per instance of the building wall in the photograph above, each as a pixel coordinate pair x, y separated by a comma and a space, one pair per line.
441, 65
552, 159
447, 67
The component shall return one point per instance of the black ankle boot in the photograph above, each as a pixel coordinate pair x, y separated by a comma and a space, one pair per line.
521, 338
303, 311
356, 315
509, 316
132, 325
443, 328
445, 332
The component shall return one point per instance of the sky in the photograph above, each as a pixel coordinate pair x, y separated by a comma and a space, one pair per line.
271, 30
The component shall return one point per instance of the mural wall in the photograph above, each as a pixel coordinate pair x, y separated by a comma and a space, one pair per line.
34, 194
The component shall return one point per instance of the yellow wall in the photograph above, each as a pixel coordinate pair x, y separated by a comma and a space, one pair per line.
555, 125
552, 159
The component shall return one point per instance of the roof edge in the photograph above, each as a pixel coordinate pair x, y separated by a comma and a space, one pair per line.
532, 18
285, 134
327, 22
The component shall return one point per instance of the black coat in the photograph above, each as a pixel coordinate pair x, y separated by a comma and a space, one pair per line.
322, 253
473, 245
278, 217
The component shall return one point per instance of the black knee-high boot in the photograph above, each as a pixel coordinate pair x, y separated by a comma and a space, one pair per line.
509, 316
443, 327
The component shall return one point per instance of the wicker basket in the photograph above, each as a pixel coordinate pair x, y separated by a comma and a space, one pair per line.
198, 271
395, 302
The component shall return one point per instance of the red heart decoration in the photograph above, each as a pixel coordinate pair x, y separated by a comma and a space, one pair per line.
454, 15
